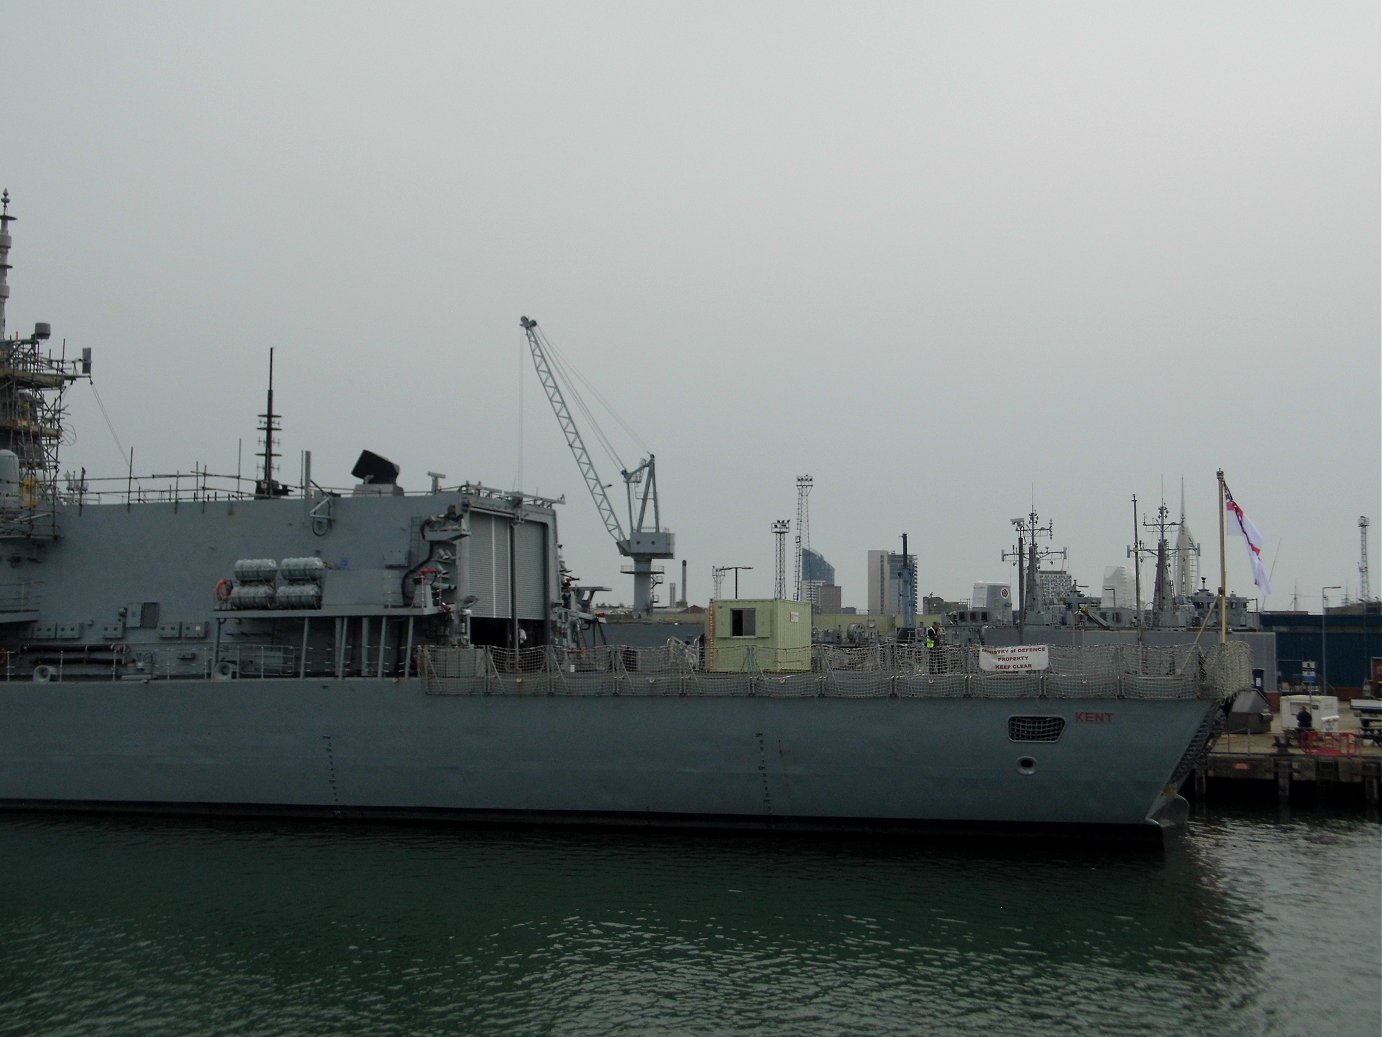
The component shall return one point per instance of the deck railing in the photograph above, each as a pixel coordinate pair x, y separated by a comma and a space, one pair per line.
676, 668
900, 671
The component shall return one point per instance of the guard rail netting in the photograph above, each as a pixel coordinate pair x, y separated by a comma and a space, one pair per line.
678, 668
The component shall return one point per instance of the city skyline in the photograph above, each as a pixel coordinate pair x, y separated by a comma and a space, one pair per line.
958, 262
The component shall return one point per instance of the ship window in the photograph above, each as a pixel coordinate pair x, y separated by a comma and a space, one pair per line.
1035, 729
743, 622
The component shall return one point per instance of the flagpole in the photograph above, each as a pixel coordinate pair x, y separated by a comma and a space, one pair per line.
1136, 553
1223, 566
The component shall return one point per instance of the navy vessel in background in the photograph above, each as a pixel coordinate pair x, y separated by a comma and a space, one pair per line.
1051, 608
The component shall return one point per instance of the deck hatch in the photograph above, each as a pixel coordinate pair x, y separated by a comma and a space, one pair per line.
1035, 729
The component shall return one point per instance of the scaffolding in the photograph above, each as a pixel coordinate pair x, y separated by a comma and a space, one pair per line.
33, 383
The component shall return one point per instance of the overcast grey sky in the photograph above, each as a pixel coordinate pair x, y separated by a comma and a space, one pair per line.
948, 258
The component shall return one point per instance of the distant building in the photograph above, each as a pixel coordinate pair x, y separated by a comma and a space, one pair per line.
1346, 643
1119, 588
818, 582
936, 605
883, 582
815, 567
1185, 562
827, 598
1055, 585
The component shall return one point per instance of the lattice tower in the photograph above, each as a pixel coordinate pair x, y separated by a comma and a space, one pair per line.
1364, 591
780, 573
803, 541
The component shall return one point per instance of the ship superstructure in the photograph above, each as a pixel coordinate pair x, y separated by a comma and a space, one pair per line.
1054, 608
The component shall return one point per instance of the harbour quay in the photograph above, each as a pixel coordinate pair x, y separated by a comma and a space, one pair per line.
1339, 766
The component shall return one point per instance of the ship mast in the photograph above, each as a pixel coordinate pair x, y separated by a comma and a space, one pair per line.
1135, 552
5, 220
1163, 593
1029, 559
266, 486
1223, 565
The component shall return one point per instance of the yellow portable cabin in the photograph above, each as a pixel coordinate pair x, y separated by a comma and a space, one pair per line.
759, 633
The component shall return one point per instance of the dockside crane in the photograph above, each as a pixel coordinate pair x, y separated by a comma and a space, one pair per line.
644, 543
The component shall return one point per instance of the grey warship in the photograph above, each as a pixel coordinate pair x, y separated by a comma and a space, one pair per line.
1051, 607
194, 645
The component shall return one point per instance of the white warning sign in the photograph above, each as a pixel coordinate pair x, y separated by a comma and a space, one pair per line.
1014, 659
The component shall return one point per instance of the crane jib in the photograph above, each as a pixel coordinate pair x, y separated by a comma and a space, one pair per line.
642, 544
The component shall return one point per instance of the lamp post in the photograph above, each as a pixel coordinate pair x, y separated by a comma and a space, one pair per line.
718, 572
1324, 652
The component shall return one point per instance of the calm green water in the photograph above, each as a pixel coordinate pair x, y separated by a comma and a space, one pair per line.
1253, 925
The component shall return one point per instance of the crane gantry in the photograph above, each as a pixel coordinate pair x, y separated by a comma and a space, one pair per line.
643, 543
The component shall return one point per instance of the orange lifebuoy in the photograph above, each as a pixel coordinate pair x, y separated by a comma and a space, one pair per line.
223, 589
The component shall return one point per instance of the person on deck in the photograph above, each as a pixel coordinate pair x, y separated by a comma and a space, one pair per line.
1305, 723
933, 655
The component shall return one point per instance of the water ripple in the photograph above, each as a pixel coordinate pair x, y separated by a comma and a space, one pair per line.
185, 928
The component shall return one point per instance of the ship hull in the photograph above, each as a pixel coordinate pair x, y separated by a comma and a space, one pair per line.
382, 747
216, 644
